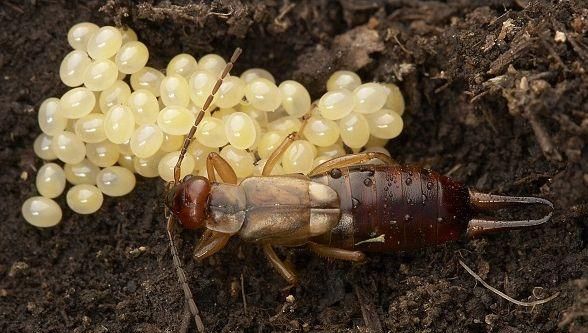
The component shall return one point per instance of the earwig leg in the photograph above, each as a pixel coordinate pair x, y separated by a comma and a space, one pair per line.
485, 202
200, 115
335, 253
182, 276
215, 162
210, 243
279, 265
353, 159
277, 154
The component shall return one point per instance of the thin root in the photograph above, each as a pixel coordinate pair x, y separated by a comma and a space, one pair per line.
243, 295
503, 295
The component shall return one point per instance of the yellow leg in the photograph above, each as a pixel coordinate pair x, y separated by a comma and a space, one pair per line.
277, 154
335, 253
215, 162
211, 242
353, 159
284, 271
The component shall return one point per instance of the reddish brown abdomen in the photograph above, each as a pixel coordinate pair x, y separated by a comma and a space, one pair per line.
392, 208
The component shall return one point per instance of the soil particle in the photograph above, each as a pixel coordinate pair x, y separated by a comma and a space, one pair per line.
494, 99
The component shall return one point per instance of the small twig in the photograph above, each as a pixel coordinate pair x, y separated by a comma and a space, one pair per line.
243, 295
503, 295
370, 316
543, 138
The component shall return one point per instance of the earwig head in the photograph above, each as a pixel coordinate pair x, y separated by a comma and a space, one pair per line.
188, 201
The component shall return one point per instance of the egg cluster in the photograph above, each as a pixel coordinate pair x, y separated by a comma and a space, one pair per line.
123, 118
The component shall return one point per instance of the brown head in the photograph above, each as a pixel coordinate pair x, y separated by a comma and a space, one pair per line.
188, 201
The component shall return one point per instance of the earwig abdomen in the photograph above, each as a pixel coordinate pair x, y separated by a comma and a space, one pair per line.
394, 208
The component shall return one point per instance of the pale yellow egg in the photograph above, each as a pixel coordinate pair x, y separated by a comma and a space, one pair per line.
175, 120
104, 43
119, 124
385, 124
90, 128
263, 94
254, 73
240, 160
240, 130
131, 57
146, 140
285, 125
73, 68
174, 91
182, 64
117, 93
126, 161
332, 151
84, 172
201, 83
115, 181
147, 78
128, 35
148, 167
211, 132
321, 132
77, 103
394, 100
336, 104
230, 93
84, 199
41, 212
51, 120
295, 98
102, 154
255, 114
269, 142
50, 180
369, 97
144, 106
343, 80
100, 75
171, 142
68, 147
42, 147
298, 158
355, 131
79, 33
168, 162
212, 63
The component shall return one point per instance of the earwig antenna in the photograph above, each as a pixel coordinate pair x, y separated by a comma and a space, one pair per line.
182, 276
200, 115
170, 220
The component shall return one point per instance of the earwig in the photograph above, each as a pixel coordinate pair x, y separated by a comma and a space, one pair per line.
343, 208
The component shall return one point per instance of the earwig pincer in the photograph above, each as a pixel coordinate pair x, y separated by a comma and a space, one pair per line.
343, 208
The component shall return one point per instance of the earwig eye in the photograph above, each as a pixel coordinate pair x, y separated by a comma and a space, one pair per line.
186, 178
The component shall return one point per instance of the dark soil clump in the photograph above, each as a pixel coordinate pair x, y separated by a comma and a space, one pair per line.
496, 97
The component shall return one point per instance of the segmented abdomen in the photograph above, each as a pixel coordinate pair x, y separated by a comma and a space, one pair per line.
394, 208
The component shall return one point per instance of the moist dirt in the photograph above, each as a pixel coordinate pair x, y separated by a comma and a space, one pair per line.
497, 97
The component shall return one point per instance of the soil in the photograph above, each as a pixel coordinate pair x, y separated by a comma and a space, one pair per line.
497, 97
